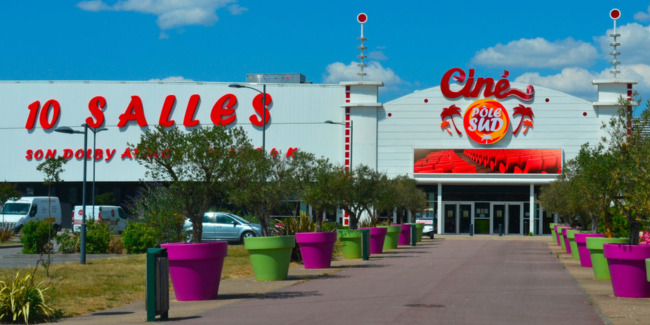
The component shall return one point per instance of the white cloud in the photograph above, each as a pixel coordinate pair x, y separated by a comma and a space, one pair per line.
171, 13
236, 9
171, 79
577, 81
338, 71
642, 16
377, 55
94, 5
635, 43
538, 53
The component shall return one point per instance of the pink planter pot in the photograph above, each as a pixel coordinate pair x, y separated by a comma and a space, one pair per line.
566, 240
195, 269
627, 269
405, 235
377, 238
316, 248
583, 251
558, 233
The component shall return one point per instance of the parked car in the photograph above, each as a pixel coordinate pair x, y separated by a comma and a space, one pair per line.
429, 226
112, 215
17, 213
225, 226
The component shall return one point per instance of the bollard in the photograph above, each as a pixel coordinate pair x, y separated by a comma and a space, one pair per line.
157, 289
365, 244
500, 229
414, 235
471, 229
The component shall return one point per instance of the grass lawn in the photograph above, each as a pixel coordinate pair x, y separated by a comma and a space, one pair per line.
111, 282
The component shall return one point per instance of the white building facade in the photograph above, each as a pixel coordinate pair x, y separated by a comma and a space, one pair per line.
459, 140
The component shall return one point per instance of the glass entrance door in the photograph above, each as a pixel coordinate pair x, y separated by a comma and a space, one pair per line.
465, 216
514, 218
482, 218
450, 218
498, 218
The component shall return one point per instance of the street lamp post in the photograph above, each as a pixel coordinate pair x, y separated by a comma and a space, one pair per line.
351, 135
263, 92
68, 130
95, 131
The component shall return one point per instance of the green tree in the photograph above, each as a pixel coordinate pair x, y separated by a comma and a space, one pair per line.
269, 180
320, 192
383, 198
8, 192
52, 168
356, 190
201, 165
630, 146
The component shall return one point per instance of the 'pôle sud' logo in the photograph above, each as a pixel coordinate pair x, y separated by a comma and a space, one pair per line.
486, 121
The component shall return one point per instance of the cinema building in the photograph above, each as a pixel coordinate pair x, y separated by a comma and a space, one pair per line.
479, 146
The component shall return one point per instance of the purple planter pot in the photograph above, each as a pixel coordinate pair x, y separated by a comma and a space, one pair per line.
195, 269
566, 240
627, 269
583, 251
405, 235
316, 248
558, 233
377, 238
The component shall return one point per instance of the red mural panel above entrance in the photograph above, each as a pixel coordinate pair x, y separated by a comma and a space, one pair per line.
486, 161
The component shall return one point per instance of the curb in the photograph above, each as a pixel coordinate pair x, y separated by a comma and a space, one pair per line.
11, 246
592, 302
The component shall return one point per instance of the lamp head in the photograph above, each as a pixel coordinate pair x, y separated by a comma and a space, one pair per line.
235, 86
329, 122
64, 129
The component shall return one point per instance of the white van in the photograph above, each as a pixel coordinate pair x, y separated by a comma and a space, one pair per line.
17, 213
112, 215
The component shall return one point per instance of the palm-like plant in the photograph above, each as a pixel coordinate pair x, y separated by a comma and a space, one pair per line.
524, 112
450, 112
21, 298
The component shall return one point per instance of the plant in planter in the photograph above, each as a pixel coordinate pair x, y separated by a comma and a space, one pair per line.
356, 190
316, 180
201, 167
270, 180
631, 180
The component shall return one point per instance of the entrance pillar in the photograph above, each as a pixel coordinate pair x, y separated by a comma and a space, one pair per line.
439, 202
532, 209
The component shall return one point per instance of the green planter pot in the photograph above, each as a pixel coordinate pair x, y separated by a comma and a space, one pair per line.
562, 244
420, 229
270, 256
552, 226
392, 236
571, 235
598, 260
351, 243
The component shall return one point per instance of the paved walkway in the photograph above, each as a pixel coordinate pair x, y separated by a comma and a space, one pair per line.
439, 282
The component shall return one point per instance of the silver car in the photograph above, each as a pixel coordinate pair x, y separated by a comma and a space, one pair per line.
226, 226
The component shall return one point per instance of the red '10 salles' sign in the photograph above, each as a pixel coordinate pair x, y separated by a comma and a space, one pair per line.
222, 113
472, 88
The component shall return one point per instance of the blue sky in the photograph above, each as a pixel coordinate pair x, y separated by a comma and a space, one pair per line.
559, 44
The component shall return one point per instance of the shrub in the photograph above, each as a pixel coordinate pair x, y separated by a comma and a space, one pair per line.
6, 234
98, 236
69, 242
21, 298
36, 235
116, 246
137, 237
162, 210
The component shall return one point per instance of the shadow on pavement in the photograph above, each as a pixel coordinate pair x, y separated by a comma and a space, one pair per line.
178, 319
113, 313
269, 295
314, 277
358, 266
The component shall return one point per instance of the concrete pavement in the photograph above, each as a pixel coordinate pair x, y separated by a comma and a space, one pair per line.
437, 282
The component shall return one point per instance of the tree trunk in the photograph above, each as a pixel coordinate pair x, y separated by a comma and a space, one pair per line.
318, 217
197, 228
607, 223
354, 220
594, 223
635, 228
400, 216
